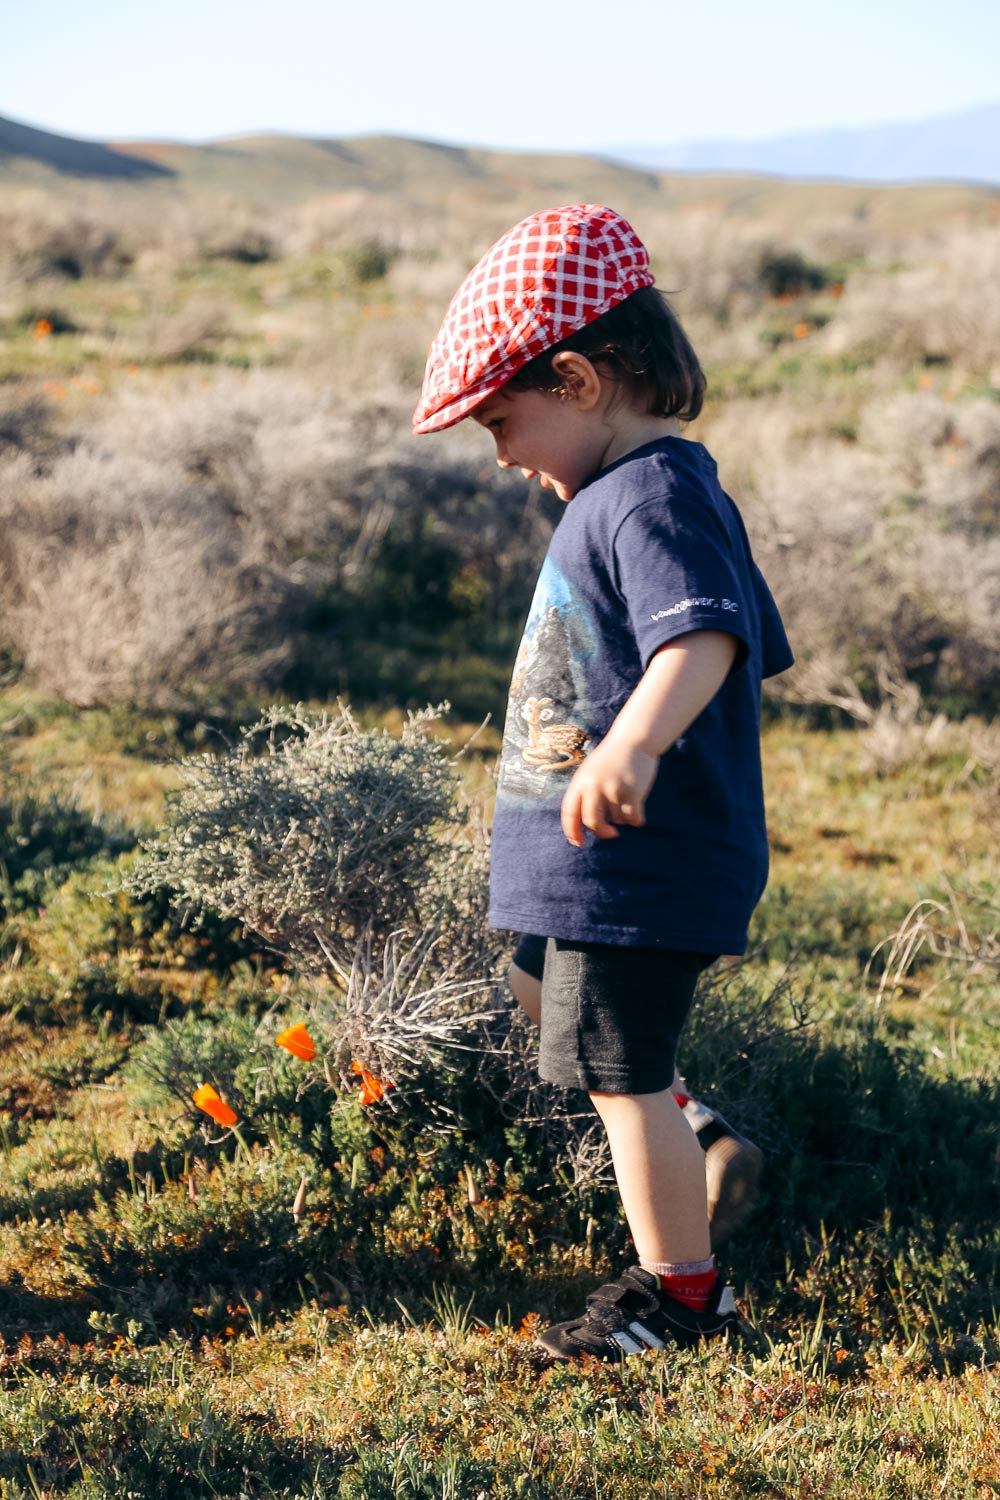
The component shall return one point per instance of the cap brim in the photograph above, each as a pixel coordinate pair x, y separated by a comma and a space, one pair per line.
461, 405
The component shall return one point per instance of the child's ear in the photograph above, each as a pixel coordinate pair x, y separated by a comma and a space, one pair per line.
579, 379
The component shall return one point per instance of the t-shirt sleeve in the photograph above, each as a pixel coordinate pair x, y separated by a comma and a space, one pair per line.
676, 572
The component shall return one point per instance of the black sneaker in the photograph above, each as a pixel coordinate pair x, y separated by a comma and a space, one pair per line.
633, 1315
732, 1170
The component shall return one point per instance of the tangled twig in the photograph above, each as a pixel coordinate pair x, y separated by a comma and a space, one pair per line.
940, 928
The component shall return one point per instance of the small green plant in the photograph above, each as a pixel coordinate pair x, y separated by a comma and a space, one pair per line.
52, 319
246, 246
43, 837
368, 260
788, 273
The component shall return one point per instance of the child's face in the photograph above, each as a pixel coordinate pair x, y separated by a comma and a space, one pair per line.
545, 436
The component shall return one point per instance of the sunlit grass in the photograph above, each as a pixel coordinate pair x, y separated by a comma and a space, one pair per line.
174, 1329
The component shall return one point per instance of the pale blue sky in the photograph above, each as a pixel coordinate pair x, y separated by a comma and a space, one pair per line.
541, 74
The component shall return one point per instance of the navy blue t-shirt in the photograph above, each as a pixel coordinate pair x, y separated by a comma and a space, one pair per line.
650, 548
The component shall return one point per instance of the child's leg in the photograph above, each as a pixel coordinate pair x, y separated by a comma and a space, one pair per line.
611, 1018
527, 992
660, 1170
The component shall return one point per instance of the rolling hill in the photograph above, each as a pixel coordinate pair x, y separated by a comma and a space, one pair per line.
281, 169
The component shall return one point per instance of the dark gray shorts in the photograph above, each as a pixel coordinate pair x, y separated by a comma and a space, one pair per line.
611, 1016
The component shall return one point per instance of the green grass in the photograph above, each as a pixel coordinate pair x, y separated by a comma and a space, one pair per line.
456, 1407
170, 1328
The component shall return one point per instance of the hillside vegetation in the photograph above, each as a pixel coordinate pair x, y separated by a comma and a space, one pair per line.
216, 533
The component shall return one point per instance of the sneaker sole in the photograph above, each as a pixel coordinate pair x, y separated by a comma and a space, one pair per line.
732, 1173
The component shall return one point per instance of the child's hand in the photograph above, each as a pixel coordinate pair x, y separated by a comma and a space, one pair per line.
610, 787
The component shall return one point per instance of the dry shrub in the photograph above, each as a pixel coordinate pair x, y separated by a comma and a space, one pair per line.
346, 219
789, 472
98, 230
947, 454
922, 603
897, 728
715, 265
938, 303
180, 540
45, 237
837, 237
355, 856
270, 478
155, 616
708, 263
320, 836
406, 1006
184, 335
872, 555
256, 449
27, 424
132, 575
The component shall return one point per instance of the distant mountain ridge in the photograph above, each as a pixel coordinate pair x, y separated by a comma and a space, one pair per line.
428, 177
959, 147
65, 153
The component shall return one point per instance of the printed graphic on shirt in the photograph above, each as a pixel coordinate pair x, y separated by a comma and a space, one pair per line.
704, 601
547, 711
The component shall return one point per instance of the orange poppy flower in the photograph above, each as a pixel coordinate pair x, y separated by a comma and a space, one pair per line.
297, 1041
837, 289
42, 328
372, 1088
801, 330
207, 1099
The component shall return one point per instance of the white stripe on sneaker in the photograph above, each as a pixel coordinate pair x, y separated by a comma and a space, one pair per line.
626, 1342
727, 1301
642, 1332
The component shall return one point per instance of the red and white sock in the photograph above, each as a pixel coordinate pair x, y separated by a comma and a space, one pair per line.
689, 1281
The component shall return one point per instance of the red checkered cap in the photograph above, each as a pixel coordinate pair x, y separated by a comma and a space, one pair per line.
549, 276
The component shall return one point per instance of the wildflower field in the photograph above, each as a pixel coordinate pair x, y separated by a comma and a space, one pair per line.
283, 1200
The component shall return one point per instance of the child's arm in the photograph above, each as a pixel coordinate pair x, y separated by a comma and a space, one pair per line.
612, 784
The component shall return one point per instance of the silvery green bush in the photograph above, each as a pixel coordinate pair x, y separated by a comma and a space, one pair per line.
354, 855
316, 834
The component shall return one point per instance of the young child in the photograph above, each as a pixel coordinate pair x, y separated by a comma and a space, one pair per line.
629, 822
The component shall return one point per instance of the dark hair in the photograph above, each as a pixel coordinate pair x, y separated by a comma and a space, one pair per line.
647, 350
